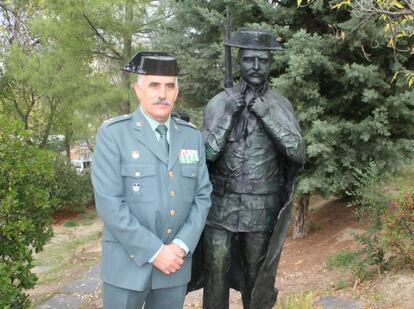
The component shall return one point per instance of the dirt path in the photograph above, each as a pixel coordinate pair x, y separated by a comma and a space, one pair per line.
65, 258
302, 267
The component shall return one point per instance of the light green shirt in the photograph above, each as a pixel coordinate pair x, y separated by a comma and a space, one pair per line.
154, 124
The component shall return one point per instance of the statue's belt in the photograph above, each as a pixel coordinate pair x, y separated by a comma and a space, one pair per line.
223, 185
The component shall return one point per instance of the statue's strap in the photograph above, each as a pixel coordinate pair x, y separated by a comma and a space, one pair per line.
222, 185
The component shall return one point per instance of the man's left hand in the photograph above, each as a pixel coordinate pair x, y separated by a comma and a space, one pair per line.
258, 106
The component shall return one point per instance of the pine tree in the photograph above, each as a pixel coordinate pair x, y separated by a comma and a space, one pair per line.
339, 81
336, 75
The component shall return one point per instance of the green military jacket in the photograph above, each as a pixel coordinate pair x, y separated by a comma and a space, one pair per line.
146, 199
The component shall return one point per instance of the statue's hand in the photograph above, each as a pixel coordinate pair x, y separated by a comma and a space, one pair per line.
258, 106
235, 104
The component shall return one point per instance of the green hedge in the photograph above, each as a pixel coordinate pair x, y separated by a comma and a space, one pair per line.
25, 210
70, 190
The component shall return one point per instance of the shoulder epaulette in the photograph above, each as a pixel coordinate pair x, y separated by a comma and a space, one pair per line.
117, 119
184, 123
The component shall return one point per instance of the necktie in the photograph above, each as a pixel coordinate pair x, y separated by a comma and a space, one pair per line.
162, 130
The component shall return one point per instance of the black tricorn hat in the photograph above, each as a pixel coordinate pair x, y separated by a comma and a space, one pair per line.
249, 38
152, 63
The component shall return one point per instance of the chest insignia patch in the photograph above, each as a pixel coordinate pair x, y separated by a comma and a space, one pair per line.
189, 156
135, 154
135, 187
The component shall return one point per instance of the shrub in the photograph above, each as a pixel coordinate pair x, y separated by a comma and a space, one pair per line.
390, 234
69, 188
372, 205
398, 228
343, 258
25, 211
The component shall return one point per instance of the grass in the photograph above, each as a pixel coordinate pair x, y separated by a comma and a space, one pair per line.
68, 255
87, 217
315, 227
66, 261
60, 256
70, 223
342, 259
400, 182
340, 284
297, 301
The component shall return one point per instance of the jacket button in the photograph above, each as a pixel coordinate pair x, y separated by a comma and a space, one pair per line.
171, 174
172, 193
168, 231
137, 174
172, 212
131, 256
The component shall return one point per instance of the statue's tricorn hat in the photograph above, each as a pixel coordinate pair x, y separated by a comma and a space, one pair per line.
152, 63
249, 38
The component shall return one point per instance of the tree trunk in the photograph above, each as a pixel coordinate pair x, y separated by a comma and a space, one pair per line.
127, 49
52, 105
301, 223
68, 138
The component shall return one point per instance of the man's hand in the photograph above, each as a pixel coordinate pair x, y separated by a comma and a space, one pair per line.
258, 106
170, 259
235, 104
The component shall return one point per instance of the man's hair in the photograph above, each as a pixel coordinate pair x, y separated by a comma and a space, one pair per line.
140, 80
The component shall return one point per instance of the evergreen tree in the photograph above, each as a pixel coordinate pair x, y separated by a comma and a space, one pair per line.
62, 69
336, 75
339, 80
194, 34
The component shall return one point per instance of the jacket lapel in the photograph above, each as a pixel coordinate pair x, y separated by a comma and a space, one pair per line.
143, 132
176, 143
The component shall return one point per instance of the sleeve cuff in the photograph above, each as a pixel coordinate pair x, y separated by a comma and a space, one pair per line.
181, 244
155, 255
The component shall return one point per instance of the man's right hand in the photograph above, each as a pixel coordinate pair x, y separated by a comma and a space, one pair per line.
170, 259
235, 104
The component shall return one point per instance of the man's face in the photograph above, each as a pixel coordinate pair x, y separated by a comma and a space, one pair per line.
254, 65
157, 95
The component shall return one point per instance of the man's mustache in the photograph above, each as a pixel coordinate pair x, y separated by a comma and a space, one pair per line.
162, 101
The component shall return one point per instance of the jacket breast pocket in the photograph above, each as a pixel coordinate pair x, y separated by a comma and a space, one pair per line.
139, 181
189, 173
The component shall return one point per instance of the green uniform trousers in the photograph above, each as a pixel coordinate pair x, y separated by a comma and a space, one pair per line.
119, 298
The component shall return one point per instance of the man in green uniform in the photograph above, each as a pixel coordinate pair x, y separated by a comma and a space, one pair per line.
152, 192
254, 149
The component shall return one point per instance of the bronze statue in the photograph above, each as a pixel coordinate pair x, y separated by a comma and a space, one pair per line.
254, 150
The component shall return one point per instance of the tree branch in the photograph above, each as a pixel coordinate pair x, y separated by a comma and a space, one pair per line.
363, 7
19, 111
100, 35
6, 8
366, 55
410, 5
52, 106
97, 52
157, 20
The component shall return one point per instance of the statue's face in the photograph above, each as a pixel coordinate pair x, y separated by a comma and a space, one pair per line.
254, 65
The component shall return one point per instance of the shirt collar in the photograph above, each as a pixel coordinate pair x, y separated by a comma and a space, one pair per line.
244, 87
154, 123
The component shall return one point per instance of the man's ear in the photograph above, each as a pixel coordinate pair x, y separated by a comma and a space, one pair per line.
176, 95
